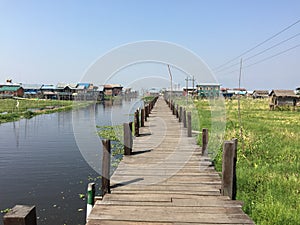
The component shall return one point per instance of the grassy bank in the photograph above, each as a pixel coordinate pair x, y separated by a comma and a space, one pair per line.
13, 110
268, 166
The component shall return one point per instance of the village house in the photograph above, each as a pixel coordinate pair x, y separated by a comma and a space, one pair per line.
112, 89
283, 98
32, 90
208, 90
48, 91
260, 94
87, 91
227, 92
65, 91
10, 89
188, 91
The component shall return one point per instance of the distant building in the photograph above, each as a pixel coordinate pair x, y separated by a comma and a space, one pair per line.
190, 91
227, 93
65, 91
260, 94
32, 90
208, 90
298, 91
10, 89
112, 89
48, 91
283, 98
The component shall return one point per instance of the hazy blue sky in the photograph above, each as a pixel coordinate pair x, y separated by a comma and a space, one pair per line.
56, 41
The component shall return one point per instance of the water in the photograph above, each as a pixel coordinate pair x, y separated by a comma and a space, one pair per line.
40, 163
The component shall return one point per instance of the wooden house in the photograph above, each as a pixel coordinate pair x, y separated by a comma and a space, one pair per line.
65, 91
11, 91
32, 90
283, 98
112, 89
260, 94
208, 90
49, 91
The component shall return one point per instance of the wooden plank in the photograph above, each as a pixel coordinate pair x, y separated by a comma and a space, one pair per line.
166, 181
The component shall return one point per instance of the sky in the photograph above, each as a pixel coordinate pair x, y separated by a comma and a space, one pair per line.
59, 41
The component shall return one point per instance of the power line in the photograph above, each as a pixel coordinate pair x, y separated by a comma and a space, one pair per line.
259, 53
272, 56
267, 58
261, 43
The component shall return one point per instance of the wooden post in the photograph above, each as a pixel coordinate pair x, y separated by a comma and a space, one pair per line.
204, 141
131, 139
20, 215
173, 109
136, 124
146, 112
90, 198
127, 138
234, 188
228, 169
177, 113
142, 117
184, 118
189, 124
180, 114
106, 167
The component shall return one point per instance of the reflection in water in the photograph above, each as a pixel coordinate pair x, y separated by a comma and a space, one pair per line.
40, 162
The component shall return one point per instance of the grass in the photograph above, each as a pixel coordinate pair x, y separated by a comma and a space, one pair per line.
268, 166
28, 108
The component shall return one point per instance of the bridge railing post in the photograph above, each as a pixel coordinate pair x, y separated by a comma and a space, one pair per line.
127, 128
228, 170
106, 167
189, 124
184, 118
180, 114
20, 215
142, 117
204, 141
136, 124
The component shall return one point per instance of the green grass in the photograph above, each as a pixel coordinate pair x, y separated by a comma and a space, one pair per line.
268, 166
31, 107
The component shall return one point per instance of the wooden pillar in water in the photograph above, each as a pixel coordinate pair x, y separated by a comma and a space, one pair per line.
20, 215
106, 167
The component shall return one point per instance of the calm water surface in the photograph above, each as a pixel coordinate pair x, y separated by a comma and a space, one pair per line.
40, 163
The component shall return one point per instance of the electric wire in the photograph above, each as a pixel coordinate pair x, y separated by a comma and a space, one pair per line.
256, 46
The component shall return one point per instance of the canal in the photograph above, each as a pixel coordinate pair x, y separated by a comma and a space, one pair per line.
41, 164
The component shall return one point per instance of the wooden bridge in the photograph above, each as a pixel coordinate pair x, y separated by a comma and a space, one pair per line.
166, 180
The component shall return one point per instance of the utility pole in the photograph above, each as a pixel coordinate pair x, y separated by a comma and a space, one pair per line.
239, 105
193, 86
187, 92
171, 81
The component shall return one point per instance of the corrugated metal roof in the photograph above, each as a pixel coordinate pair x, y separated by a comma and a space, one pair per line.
31, 86
10, 88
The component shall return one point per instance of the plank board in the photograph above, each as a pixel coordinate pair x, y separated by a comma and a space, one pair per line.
166, 181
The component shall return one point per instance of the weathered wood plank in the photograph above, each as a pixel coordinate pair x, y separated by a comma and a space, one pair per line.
166, 181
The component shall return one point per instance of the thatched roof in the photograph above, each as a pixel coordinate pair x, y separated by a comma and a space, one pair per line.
261, 92
283, 93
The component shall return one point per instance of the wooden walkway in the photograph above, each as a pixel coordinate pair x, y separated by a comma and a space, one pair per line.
165, 181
